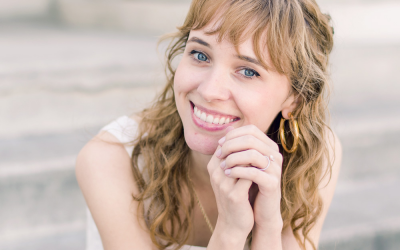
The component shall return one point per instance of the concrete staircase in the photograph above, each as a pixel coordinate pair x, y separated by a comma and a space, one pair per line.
61, 81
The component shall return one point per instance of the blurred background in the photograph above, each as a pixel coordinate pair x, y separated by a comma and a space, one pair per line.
68, 67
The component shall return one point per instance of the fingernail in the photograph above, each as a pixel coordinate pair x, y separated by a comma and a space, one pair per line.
222, 140
228, 171
218, 153
223, 164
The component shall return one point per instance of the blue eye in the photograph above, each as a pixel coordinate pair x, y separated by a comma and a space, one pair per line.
249, 73
201, 57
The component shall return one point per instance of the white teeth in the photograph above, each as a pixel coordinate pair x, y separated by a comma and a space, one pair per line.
198, 113
210, 118
203, 116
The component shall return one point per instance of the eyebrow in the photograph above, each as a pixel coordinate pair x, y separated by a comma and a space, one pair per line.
249, 59
198, 40
241, 57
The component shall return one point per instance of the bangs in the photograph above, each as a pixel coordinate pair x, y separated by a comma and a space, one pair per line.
289, 37
237, 21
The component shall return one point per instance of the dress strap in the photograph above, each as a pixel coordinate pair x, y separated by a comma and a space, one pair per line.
125, 130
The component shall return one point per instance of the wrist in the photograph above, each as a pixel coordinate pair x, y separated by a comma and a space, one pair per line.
226, 237
275, 225
269, 237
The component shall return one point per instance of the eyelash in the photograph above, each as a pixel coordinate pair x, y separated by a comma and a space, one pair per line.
195, 52
191, 53
256, 74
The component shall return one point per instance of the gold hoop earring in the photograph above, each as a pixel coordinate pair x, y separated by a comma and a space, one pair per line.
295, 133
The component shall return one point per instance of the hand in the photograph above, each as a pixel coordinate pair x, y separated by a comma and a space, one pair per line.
235, 213
244, 152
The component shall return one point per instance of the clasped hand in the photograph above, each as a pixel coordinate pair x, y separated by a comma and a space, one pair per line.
234, 169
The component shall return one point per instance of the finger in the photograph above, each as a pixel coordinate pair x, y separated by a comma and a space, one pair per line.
266, 182
221, 182
241, 188
248, 142
252, 130
214, 161
248, 158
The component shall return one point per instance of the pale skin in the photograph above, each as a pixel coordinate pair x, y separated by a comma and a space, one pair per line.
225, 83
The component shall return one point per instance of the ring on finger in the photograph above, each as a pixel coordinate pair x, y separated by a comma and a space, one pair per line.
271, 157
269, 163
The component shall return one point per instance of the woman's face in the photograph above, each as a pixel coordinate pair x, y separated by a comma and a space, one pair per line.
216, 88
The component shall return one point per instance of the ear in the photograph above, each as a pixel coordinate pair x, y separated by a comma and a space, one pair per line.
290, 104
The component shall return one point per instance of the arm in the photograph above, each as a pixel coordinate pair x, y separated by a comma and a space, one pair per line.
104, 175
247, 146
326, 189
243, 161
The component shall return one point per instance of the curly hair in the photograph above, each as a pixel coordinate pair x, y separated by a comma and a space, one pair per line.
299, 39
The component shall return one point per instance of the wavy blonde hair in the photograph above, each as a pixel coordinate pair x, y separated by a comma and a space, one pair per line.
299, 39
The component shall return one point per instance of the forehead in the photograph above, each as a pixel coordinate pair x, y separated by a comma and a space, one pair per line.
213, 41
244, 24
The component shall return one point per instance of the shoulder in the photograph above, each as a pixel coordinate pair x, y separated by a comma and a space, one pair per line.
327, 186
103, 154
334, 161
103, 171
326, 189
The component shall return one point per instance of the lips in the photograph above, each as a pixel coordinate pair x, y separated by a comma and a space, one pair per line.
211, 120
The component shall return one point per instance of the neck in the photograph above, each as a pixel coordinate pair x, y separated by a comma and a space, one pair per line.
198, 168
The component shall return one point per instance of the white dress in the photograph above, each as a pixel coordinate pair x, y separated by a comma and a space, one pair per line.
124, 129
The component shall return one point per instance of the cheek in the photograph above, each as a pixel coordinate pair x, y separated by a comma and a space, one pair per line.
185, 79
259, 108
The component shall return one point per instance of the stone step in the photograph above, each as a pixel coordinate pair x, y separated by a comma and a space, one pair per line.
353, 20
364, 215
360, 217
33, 205
62, 80
146, 17
37, 57
41, 197
25, 10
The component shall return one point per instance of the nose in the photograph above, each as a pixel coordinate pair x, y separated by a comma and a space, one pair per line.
215, 87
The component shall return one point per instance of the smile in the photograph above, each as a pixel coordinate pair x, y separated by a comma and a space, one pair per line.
211, 120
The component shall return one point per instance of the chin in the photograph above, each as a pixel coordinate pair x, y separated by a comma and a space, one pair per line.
201, 143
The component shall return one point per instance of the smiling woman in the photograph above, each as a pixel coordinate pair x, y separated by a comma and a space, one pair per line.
213, 164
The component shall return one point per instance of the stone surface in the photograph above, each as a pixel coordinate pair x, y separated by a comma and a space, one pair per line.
147, 17
60, 85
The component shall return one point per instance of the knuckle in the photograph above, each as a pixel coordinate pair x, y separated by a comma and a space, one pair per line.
249, 139
214, 178
224, 189
226, 148
253, 173
233, 198
252, 153
209, 168
280, 157
230, 161
273, 185
253, 128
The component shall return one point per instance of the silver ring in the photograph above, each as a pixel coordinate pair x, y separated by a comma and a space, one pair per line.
269, 162
271, 157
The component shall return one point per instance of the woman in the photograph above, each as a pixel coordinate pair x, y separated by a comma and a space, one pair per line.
236, 152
